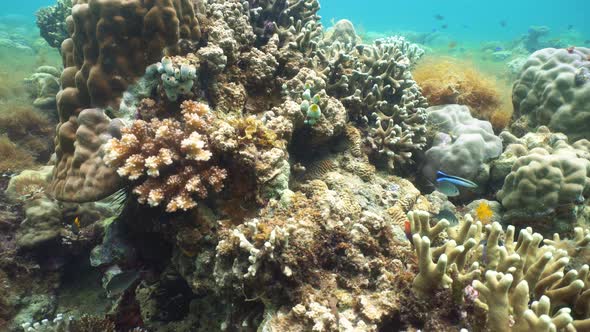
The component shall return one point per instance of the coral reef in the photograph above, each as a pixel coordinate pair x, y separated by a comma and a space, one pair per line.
44, 86
448, 81
99, 66
463, 146
250, 174
51, 22
552, 91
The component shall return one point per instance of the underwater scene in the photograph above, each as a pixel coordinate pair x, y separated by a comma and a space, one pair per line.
294, 165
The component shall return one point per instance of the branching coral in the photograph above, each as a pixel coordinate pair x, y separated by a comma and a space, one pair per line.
375, 85
171, 158
268, 16
448, 81
52, 22
515, 270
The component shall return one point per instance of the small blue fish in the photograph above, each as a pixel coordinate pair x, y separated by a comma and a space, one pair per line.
448, 215
447, 188
442, 177
498, 49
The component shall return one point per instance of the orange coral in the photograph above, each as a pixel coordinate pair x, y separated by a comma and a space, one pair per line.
484, 213
450, 81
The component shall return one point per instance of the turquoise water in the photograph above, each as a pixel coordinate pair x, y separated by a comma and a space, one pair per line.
466, 20
23, 8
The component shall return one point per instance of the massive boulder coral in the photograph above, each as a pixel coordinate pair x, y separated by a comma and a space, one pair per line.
463, 145
43, 86
548, 180
80, 174
111, 44
553, 90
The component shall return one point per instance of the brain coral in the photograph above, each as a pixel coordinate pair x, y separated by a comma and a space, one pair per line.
553, 89
463, 144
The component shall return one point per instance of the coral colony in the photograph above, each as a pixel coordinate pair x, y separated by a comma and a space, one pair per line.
231, 165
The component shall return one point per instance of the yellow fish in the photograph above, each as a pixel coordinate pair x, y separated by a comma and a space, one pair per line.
76, 226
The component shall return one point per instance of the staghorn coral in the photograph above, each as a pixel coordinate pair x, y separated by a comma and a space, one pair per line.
100, 64
171, 158
515, 270
449, 81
